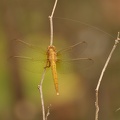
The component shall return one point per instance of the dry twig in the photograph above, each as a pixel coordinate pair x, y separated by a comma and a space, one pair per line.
45, 116
51, 22
41, 93
101, 76
48, 112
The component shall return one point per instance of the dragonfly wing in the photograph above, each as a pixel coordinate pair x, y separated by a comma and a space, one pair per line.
69, 59
73, 65
23, 46
72, 51
29, 64
37, 60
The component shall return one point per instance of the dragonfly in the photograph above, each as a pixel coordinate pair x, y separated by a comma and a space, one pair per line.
54, 60
60, 61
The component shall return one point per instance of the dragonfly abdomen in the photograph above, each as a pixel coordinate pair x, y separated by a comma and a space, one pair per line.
52, 57
55, 77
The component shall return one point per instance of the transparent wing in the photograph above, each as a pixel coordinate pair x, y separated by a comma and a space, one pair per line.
73, 51
74, 65
69, 59
22, 47
29, 64
29, 57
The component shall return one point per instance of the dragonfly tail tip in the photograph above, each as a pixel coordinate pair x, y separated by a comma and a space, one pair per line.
58, 93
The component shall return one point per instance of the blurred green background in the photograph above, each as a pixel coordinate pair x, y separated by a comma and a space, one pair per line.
28, 20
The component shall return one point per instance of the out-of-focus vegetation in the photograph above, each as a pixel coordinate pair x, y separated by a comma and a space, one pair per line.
28, 20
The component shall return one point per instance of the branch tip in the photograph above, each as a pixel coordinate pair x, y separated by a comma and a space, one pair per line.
118, 36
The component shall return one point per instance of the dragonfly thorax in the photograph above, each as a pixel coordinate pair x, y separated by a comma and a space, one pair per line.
51, 54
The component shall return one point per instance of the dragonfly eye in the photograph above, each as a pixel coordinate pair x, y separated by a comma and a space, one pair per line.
51, 47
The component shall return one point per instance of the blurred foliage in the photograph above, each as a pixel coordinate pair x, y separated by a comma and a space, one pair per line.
28, 20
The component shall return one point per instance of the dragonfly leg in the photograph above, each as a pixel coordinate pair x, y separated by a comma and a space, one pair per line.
47, 64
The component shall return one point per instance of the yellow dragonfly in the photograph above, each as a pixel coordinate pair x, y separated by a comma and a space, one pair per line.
60, 61
54, 61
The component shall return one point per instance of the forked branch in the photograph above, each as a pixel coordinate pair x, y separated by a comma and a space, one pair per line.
51, 23
101, 75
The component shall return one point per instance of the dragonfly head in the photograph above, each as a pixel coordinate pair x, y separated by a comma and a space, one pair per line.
51, 47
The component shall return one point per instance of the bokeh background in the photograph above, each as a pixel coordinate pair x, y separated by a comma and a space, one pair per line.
28, 20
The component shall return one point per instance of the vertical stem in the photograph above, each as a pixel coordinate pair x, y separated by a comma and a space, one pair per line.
45, 116
51, 23
41, 93
101, 76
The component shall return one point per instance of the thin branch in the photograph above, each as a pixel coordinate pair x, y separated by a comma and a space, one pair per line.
45, 116
117, 110
41, 93
101, 76
51, 23
48, 112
